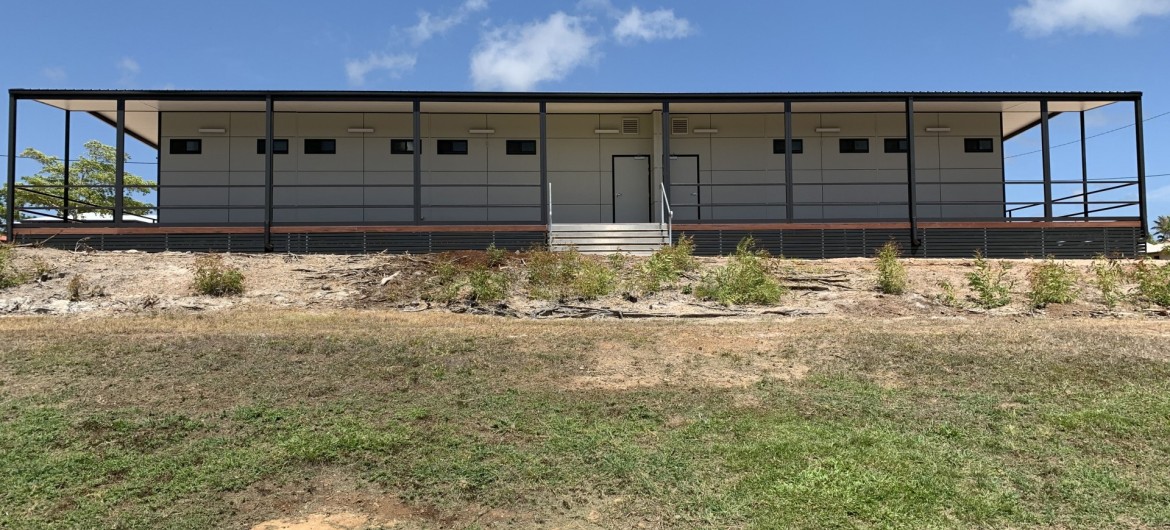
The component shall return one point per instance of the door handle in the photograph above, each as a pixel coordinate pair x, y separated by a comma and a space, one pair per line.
694, 194
617, 195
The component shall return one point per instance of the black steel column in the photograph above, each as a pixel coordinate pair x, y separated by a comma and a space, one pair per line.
120, 163
1140, 133
10, 218
65, 173
1045, 146
788, 176
544, 198
911, 175
666, 148
269, 121
416, 149
1084, 167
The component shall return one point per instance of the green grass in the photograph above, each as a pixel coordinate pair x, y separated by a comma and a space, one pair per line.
165, 422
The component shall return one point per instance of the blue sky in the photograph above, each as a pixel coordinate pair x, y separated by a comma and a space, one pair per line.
611, 45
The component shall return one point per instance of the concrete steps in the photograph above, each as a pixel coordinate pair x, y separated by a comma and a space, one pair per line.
608, 238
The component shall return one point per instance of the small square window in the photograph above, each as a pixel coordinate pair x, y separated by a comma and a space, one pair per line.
854, 145
979, 145
521, 147
452, 147
401, 147
897, 145
279, 146
186, 146
778, 146
320, 146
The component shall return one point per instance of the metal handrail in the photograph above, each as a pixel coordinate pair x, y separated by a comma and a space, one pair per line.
548, 233
667, 216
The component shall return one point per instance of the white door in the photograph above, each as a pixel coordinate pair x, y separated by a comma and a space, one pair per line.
684, 187
631, 189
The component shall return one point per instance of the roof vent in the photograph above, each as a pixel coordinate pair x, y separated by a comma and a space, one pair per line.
680, 125
630, 126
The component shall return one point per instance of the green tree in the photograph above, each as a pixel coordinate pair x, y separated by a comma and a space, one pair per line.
1162, 229
91, 184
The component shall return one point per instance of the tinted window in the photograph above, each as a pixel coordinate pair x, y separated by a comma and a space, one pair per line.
402, 147
897, 145
521, 147
854, 145
186, 146
452, 147
279, 146
320, 147
778, 146
979, 145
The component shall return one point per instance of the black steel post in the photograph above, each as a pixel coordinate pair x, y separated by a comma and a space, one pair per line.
666, 146
911, 176
10, 218
544, 198
1084, 168
1045, 146
789, 210
416, 148
1140, 133
120, 163
65, 212
269, 134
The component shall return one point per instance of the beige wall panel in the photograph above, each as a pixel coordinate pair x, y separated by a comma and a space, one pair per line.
454, 215
329, 125
740, 153
514, 126
454, 177
194, 178
530, 178
739, 125
805, 125
574, 155
388, 215
461, 196
349, 155
284, 196
972, 193
187, 124
574, 125
810, 159
890, 125
375, 178
514, 196
243, 155
880, 159
455, 125
776, 176
284, 215
389, 125
195, 216
738, 177
869, 193
954, 156
927, 175
852, 125
927, 193
518, 215
246, 196
580, 213
806, 193
329, 215
202, 196
695, 121
251, 124
803, 176
991, 176
971, 124
972, 212
808, 212
697, 145
324, 179
922, 120
318, 196
851, 212
926, 152
887, 176
737, 212
242, 215
899, 212
740, 194
576, 187
214, 157
388, 197
623, 146
500, 160
284, 178
246, 178
774, 125
475, 160
614, 121
833, 158
377, 156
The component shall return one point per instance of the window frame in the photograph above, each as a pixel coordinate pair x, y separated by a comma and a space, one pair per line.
517, 151
186, 143
320, 144
449, 143
900, 145
395, 148
276, 150
974, 145
853, 143
778, 146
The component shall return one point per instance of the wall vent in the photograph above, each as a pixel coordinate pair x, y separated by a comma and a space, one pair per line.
630, 126
680, 125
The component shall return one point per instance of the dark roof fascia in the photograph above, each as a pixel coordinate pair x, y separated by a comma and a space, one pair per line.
566, 97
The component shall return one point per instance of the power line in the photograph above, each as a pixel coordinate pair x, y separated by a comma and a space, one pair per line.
1087, 137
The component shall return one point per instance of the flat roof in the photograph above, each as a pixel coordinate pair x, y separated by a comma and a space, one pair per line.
1020, 110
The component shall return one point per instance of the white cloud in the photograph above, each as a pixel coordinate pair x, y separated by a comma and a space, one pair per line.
519, 58
637, 25
1159, 194
394, 65
54, 73
1045, 17
429, 26
130, 69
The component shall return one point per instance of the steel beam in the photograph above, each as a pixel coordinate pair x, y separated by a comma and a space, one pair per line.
544, 198
789, 210
10, 219
65, 173
1140, 136
911, 176
1084, 168
120, 163
269, 134
665, 147
1045, 148
416, 148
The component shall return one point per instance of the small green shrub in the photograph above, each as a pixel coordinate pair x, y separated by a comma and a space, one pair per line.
667, 264
10, 276
76, 288
1051, 282
445, 285
488, 286
744, 280
1153, 282
1109, 276
948, 296
496, 257
213, 277
990, 283
568, 274
891, 272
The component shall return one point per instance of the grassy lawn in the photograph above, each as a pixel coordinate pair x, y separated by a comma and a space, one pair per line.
226, 420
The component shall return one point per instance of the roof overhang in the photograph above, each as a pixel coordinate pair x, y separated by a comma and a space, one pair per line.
1020, 111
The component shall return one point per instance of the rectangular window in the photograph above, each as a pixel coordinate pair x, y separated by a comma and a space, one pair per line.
452, 147
279, 146
778, 146
186, 146
402, 147
854, 145
897, 145
521, 147
320, 146
979, 145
